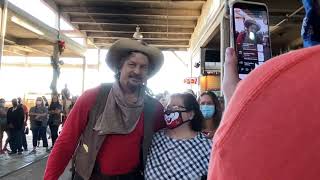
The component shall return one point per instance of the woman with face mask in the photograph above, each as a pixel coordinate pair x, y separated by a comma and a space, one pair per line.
38, 118
180, 151
54, 122
211, 111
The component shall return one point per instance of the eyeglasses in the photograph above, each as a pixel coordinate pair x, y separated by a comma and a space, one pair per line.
171, 109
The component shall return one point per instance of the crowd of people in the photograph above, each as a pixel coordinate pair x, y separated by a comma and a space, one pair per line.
126, 111
13, 121
42, 119
121, 131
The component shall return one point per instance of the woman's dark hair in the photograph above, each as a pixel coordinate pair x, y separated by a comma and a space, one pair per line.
54, 95
40, 98
218, 108
191, 104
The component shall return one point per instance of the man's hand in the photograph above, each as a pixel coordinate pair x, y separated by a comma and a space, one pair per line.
231, 76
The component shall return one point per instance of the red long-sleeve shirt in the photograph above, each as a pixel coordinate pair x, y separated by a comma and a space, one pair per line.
119, 154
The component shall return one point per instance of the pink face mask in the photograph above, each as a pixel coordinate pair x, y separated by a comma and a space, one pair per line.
174, 119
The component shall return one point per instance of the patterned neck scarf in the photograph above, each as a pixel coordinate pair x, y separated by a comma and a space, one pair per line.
120, 116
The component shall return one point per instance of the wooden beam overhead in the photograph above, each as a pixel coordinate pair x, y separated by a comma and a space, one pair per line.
292, 20
167, 24
33, 42
14, 51
130, 12
131, 32
131, 29
32, 50
11, 38
154, 4
130, 2
162, 47
184, 37
146, 39
73, 33
153, 42
134, 1
89, 66
114, 16
134, 22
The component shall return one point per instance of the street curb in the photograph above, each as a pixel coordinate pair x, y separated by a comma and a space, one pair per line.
22, 167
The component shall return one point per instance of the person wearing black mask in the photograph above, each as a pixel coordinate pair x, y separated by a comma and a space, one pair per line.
25, 127
15, 118
54, 122
180, 151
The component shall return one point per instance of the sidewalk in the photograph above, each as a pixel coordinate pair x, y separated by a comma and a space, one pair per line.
35, 171
13, 163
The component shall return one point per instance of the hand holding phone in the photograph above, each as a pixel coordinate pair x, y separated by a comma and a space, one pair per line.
231, 76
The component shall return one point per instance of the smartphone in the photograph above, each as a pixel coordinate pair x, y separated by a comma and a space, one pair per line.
250, 35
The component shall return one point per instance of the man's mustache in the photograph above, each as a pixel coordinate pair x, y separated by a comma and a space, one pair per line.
136, 76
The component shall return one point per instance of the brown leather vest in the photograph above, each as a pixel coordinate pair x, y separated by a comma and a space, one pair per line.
90, 142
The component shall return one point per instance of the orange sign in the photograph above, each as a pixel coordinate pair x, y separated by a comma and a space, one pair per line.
209, 83
191, 80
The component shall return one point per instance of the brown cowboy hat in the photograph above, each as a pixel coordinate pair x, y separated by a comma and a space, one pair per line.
250, 22
122, 47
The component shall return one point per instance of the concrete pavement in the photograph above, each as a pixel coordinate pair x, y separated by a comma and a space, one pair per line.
26, 166
34, 171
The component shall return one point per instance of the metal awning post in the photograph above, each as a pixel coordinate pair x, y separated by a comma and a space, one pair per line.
84, 67
55, 60
56, 69
99, 59
191, 72
3, 24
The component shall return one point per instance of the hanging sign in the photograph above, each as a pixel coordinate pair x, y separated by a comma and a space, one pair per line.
191, 80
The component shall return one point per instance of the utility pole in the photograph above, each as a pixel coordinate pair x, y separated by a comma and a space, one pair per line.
3, 24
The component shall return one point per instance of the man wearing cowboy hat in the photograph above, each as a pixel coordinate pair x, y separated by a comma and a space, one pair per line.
109, 130
250, 35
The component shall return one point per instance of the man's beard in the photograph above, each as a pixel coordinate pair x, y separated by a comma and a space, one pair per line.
135, 87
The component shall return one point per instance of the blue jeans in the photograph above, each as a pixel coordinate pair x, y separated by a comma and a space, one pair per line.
39, 132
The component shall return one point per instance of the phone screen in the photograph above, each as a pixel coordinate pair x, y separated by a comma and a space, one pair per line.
251, 36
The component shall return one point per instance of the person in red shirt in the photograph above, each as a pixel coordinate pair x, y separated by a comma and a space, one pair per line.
250, 34
119, 120
269, 128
